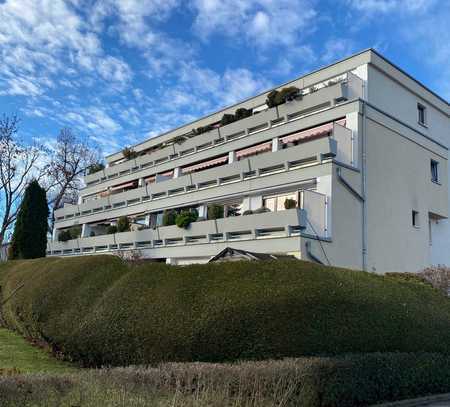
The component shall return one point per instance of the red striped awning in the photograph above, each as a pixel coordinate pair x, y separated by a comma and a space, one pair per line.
126, 185
150, 179
253, 150
205, 164
319, 131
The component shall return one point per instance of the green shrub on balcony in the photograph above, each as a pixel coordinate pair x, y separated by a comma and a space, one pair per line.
111, 229
169, 217
69, 234
215, 211
242, 113
203, 129
123, 224
129, 153
290, 203
227, 118
276, 97
92, 169
185, 218
64, 236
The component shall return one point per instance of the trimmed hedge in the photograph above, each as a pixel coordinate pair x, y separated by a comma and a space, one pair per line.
101, 311
352, 380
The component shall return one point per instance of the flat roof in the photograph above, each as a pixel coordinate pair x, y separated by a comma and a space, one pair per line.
289, 82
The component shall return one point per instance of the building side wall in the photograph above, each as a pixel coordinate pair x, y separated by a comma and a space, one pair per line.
398, 96
399, 181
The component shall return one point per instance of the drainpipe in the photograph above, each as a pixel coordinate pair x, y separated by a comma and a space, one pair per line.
363, 188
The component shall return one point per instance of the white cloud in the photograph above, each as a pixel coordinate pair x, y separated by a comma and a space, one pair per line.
387, 6
47, 38
261, 22
337, 48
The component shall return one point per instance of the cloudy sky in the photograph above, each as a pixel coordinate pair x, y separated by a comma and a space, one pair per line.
121, 71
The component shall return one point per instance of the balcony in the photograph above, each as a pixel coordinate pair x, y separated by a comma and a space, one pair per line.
251, 227
203, 184
320, 99
311, 219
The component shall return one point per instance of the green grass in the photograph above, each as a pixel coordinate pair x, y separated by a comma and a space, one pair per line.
16, 354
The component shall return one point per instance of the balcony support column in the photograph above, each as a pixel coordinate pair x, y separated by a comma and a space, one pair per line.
275, 144
231, 157
176, 172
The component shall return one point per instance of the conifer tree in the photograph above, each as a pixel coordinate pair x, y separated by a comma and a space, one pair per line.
29, 240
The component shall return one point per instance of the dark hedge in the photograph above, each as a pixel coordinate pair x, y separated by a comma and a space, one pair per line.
101, 311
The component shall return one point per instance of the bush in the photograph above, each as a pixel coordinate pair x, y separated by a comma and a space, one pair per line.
64, 235
261, 210
276, 97
97, 310
438, 277
111, 229
215, 211
227, 118
29, 239
242, 113
69, 234
247, 212
185, 218
169, 218
353, 380
204, 129
290, 203
129, 153
92, 169
123, 224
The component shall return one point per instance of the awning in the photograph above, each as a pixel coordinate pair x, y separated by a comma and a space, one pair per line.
205, 164
121, 186
315, 132
104, 194
150, 179
254, 150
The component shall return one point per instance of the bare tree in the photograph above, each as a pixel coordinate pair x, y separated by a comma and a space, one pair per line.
18, 165
71, 157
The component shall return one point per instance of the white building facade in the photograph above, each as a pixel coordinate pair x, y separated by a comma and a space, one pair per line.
350, 168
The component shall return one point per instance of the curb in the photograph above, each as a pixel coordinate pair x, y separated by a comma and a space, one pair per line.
423, 401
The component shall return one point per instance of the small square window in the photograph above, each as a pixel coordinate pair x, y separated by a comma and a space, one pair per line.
421, 112
434, 166
415, 219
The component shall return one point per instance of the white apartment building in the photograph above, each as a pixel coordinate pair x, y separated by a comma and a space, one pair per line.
350, 169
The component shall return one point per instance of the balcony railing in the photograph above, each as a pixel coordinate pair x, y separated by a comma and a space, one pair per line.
256, 166
287, 112
258, 226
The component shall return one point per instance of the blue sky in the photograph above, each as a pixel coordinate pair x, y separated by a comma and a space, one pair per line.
120, 71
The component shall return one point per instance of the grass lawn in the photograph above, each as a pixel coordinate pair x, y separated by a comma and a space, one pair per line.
17, 353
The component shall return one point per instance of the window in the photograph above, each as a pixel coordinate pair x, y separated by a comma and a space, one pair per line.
434, 171
276, 203
415, 219
421, 111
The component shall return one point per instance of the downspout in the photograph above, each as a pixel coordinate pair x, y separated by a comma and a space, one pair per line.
363, 189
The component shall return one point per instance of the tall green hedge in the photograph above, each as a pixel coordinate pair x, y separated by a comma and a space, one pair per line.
98, 310
29, 240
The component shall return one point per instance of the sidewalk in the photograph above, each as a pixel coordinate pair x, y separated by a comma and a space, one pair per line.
440, 400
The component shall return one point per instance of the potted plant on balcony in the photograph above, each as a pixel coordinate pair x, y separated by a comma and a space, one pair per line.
123, 224
186, 217
129, 153
169, 217
92, 169
290, 203
215, 211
